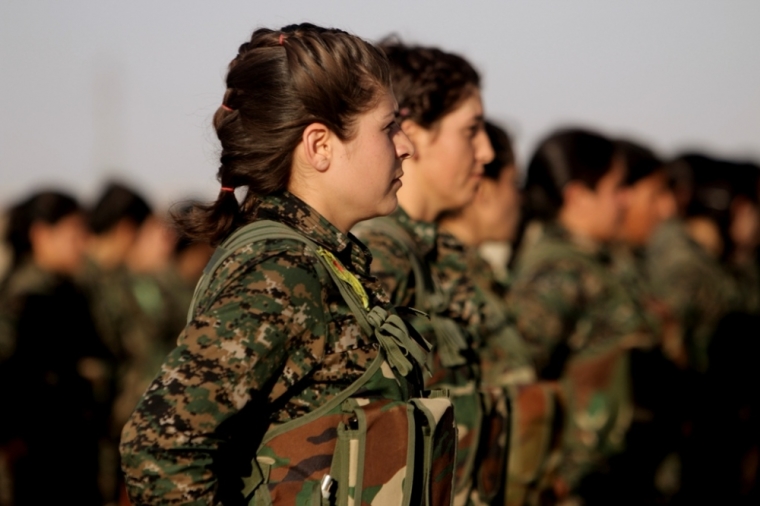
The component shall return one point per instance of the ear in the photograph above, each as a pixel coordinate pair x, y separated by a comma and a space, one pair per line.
317, 143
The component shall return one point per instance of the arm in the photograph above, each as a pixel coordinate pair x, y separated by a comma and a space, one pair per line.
545, 304
231, 353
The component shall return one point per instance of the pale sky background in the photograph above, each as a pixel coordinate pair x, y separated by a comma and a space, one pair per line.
90, 89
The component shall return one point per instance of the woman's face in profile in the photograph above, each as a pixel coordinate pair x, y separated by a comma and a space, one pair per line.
452, 154
370, 163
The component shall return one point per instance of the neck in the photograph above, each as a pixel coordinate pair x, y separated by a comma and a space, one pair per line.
707, 234
323, 206
106, 253
462, 229
576, 224
416, 202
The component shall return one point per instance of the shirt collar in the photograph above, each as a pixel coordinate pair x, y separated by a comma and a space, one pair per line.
423, 233
288, 209
579, 242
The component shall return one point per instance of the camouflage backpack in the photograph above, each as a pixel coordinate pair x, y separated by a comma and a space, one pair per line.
481, 414
383, 449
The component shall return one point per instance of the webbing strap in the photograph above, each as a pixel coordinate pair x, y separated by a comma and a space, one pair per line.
428, 295
389, 329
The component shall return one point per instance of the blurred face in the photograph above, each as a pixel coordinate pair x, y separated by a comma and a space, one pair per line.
369, 165
450, 156
648, 203
59, 247
745, 224
595, 213
153, 247
497, 204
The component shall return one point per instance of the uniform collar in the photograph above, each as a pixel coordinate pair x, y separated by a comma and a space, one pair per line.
423, 233
579, 242
288, 209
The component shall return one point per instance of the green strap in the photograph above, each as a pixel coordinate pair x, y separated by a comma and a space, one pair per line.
428, 295
389, 329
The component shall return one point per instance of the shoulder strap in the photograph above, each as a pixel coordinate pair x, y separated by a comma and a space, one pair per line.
388, 329
260, 231
426, 287
428, 294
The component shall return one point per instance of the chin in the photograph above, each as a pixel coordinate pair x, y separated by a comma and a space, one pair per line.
387, 206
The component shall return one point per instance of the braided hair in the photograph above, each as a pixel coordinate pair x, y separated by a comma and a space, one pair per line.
280, 82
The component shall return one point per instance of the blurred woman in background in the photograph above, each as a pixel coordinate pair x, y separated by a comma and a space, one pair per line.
441, 112
52, 357
574, 316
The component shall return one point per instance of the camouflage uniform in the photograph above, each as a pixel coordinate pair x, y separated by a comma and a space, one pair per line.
394, 241
747, 279
578, 321
157, 318
109, 294
694, 286
271, 341
50, 412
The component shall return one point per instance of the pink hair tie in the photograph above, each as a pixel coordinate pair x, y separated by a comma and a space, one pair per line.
226, 108
227, 189
282, 38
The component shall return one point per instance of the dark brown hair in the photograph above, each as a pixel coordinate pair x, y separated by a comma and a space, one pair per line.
428, 83
640, 161
42, 207
564, 156
116, 203
504, 156
280, 82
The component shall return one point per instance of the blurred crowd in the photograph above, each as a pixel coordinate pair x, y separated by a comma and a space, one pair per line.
609, 243
92, 301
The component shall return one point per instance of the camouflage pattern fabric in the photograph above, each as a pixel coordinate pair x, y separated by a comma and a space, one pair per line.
747, 278
271, 341
694, 286
504, 357
157, 318
110, 302
403, 251
504, 360
534, 410
578, 322
57, 368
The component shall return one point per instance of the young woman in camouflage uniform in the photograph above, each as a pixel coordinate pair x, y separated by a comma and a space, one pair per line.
442, 113
576, 318
294, 382
493, 216
51, 360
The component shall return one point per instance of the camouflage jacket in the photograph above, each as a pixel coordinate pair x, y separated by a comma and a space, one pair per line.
395, 270
503, 355
747, 279
695, 286
577, 318
270, 341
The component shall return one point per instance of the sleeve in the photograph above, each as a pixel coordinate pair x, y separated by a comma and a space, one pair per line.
266, 325
545, 308
391, 266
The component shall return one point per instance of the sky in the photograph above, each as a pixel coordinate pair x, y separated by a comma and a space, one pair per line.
91, 90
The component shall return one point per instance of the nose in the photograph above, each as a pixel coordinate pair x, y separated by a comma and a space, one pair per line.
484, 152
404, 146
